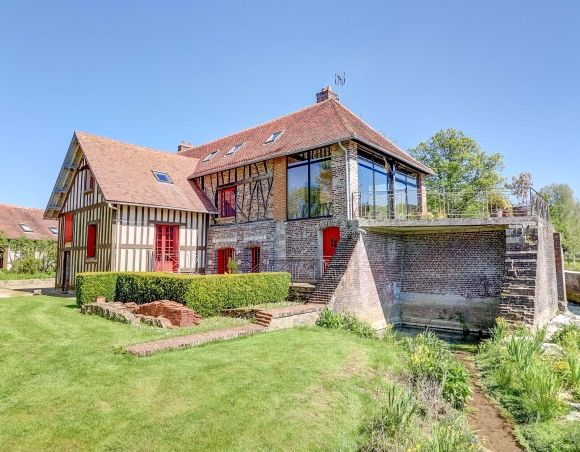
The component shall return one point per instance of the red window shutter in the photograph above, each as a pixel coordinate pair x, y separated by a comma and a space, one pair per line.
92, 240
68, 228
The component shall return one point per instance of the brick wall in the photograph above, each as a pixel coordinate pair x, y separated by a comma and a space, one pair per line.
560, 278
468, 264
241, 237
279, 189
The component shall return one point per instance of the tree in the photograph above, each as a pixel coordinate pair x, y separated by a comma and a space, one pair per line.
459, 163
564, 214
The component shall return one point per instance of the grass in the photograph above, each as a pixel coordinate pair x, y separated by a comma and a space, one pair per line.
66, 384
571, 266
531, 385
9, 276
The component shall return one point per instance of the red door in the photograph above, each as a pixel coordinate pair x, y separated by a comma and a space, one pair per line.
167, 248
330, 239
223, 257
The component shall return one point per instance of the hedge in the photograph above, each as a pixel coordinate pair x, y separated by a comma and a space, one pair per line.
206, 295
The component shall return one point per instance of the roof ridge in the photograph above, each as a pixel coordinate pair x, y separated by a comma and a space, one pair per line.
342, 121
21, 207
374, 130
76, 132
258, 125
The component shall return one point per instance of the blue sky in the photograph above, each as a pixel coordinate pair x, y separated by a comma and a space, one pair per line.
155, 73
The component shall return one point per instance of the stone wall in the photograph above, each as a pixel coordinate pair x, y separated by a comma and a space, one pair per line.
241, 237
560, 278
573, 286
546, 296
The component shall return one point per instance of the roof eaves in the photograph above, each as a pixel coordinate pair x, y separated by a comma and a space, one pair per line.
184, 209
420, 167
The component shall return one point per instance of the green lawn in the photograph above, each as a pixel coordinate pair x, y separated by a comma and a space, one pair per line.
66, 384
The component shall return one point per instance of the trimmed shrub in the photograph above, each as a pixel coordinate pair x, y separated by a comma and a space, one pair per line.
206, 295
92, 285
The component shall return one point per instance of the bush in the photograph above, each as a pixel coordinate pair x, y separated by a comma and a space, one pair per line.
27, 265
92, 285
346, 321
206, 295
430, 357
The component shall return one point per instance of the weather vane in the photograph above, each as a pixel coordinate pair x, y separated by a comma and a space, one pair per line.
339, 80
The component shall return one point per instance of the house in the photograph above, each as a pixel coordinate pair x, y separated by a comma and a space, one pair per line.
122, 207
16, 222
320, 194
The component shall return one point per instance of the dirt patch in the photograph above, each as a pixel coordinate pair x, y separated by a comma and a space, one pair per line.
484, 415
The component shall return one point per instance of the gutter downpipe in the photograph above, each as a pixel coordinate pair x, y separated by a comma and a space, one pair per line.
347, 180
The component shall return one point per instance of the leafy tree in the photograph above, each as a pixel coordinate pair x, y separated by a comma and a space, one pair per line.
564, 214
459, 163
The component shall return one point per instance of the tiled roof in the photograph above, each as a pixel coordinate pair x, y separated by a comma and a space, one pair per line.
124, 174
322, 123
12, 216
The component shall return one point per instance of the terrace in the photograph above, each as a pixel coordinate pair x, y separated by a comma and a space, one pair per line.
421, 205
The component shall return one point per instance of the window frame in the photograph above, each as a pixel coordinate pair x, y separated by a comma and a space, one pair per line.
235, 149
92, 240
26, 228
53, 229
228, 211
210, 156
255, 259
308, 161
274, 137
157, 175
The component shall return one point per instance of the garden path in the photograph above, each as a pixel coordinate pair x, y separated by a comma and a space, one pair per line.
484, 416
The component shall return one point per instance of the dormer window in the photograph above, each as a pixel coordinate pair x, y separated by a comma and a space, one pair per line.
162, 177
235, 149
25, 227
210, 156
53, 230
273, 137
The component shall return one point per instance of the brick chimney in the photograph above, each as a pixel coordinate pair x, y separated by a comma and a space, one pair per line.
325, 93
184, 147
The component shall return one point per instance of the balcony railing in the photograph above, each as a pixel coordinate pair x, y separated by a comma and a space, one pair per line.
429, 205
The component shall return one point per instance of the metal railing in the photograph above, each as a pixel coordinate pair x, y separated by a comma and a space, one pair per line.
299, 269
184, 261
428, 205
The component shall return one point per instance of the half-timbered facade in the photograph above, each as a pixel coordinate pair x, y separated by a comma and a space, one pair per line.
122, 207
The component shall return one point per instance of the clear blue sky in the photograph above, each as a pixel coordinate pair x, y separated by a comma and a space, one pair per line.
155, 73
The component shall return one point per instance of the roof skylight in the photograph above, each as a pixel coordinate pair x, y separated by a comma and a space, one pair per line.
273, 137
53, 229
25, 227
210, 156
235, 149
162, 177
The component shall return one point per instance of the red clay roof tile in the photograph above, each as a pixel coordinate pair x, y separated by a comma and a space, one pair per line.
322, 123
124, 174
12, 216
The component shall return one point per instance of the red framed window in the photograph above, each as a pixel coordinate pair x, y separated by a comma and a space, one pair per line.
167, 248
92, 240
223, 258
68, 228
256, 259
228, 202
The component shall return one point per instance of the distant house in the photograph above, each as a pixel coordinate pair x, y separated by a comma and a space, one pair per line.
320, 194
27, 222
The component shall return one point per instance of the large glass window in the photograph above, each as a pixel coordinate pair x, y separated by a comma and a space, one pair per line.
407, 192
373, 184
309, 184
